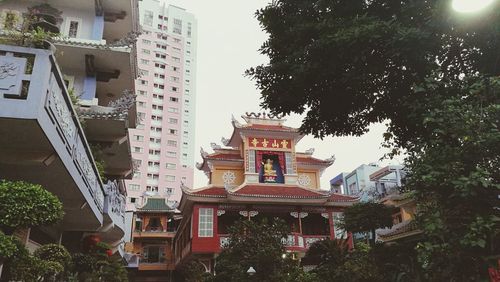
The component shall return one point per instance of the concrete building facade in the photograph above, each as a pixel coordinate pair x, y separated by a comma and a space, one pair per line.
162, 145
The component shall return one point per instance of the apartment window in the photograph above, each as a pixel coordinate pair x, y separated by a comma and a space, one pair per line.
137, 174
143, 72
144, 62
176, 49
174, 99
185, 143
175, 89
157, 75
159, 86
141, 104
140, 126
142, 93
353, 189
160, 17
170, 178
148, 18
189, 30
172, 131
206, 222
175, 68
161, 66
177, 26
138, 149
141, 115
172, 110
133, 199
153, 176
152, 188
134, 187
145, 51
171, 154
73, 27
147, 42
170, 166
172, 143
169, 191
139, 138
172, 120
143, 82
175, 59
161, 56
174, 79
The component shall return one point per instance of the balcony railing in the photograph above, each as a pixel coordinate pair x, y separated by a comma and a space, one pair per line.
42, 95
294, 240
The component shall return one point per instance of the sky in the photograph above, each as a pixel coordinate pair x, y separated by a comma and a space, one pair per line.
229, 37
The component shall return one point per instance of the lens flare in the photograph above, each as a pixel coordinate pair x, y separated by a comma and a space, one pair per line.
470, 6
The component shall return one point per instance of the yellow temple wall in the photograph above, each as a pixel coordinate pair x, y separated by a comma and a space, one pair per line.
218, 172
313, 175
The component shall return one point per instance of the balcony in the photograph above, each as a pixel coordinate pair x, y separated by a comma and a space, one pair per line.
154, 234
114, 211
42, 140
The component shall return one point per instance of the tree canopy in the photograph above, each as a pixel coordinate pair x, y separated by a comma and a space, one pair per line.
259, 245
24, 204
367, 217
433, 75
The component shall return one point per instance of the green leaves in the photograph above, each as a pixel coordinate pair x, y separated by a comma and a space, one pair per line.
24, 204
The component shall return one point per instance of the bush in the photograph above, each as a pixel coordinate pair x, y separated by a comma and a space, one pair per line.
53, 253
7, 246
24, 204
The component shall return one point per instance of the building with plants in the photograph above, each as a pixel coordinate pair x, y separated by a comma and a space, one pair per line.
257, 174
67, 71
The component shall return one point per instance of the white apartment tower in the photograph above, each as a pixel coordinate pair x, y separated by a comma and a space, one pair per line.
163, 142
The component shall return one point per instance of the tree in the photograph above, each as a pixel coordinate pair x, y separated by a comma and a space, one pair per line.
23, 204
367, 217
335, 262
258, 245
432, 75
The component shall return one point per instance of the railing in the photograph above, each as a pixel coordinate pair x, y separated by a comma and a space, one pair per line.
41, 94
223, 241
115, 203
296, 240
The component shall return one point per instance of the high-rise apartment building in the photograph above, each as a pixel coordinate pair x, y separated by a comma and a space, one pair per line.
163, 142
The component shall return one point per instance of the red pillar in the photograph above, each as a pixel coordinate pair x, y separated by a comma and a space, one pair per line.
330, 222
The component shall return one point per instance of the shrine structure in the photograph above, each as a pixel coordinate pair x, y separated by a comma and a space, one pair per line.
258, 174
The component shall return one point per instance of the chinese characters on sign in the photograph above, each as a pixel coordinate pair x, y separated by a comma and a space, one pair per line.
270, 143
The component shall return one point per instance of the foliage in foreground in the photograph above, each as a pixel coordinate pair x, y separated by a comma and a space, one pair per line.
256, 244
367, 217
433, 76
24, 204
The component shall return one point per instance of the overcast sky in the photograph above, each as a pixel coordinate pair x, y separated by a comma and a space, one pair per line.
229, 37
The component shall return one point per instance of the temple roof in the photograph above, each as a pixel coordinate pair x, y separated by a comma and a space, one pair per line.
260, 123
266, 191
400, 230
155, 205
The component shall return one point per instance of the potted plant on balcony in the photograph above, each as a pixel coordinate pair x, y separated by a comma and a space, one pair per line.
46, 17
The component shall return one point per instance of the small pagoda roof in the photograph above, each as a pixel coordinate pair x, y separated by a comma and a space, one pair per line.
155, 205
219, 154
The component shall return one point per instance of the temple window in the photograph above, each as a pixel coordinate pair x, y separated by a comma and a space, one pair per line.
270, 166
206, 222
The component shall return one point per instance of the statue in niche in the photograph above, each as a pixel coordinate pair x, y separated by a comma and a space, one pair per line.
269, 171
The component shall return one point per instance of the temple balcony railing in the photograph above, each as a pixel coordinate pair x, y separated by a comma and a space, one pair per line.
294, 241
42, 140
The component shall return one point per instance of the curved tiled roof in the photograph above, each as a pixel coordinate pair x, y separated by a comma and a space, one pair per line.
277, 191
155, 204
311, 160
221, 156
209, 191
399, 229
342, 198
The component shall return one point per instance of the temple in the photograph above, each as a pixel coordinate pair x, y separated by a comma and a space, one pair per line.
256, 174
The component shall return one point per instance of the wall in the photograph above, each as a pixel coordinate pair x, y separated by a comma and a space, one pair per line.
204, 244
218, 172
